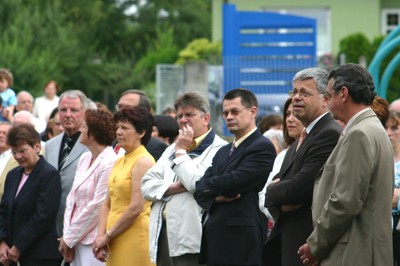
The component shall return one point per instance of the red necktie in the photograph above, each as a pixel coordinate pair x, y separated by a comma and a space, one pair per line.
303, 135
116, 148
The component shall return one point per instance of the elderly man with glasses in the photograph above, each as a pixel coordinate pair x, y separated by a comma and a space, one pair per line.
289, 196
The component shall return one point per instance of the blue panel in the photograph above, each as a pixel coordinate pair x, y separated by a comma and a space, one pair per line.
275, 38
263, 50
272, 20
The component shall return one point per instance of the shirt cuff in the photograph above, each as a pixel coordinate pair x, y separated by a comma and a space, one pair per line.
179, 160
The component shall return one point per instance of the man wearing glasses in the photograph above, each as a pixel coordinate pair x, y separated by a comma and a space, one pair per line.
234, 229
353, 194
175, 218
289, 196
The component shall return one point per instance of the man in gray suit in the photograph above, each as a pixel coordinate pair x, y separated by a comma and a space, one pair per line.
352, 196
64, 150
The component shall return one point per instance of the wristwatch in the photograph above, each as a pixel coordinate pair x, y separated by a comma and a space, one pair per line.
180, 151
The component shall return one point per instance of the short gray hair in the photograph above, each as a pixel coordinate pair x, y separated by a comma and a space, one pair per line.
72, 94
319, 75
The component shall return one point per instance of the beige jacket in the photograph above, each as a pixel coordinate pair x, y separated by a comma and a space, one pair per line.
352, 198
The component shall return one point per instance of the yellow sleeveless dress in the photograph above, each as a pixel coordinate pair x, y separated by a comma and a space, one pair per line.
132, 246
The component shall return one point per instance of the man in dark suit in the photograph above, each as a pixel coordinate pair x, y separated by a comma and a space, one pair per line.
132, 98
234, 229
352, 201
289, 196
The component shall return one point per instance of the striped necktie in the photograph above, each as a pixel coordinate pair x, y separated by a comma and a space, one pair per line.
233, 148
64, 153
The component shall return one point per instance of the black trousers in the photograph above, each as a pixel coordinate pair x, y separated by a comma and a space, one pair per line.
396, 240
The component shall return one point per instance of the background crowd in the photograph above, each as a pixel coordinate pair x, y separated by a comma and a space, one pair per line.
314, 185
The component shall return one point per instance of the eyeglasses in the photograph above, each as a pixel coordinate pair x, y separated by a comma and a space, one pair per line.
187, 115
119, 107
328, 94
303, 93
233, 112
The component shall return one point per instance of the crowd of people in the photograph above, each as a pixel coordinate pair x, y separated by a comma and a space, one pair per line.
317, 185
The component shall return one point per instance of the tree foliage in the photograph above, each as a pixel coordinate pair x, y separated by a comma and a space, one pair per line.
201, 49
96, 46
357, 45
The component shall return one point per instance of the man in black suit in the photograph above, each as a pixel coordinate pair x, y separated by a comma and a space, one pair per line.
234, 229
289, 196
132, 98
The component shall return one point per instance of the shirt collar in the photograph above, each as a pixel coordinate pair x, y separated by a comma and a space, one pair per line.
314, 122
352, 119
239, 141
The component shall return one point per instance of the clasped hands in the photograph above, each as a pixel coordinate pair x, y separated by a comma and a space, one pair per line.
7, 254
100, 248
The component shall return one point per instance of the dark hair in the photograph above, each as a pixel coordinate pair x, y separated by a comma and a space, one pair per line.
269, 121
144, 101
381, 108
53, 113
247, 98
101, 126
167, 127
357, 80
288, 139
58, 88
140, 118
22, 133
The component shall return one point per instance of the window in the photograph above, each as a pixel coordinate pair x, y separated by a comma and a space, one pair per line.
390, 18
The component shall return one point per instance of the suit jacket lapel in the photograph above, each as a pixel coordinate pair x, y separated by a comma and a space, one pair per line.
53, 151
364, 115
15, 184
90, 169
31, 178
317, 127
238, 151
292, 154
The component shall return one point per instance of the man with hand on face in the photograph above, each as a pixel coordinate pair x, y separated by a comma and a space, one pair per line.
289, 196
175, 218
234, 229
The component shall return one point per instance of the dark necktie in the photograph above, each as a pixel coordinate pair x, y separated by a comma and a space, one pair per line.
64, 153
233, 148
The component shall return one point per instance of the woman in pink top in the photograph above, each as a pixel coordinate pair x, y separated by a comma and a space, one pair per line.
89, 189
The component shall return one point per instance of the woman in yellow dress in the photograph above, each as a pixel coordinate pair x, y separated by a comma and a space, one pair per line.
123, 233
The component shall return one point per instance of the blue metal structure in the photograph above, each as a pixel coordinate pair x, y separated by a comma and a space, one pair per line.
263, 50
391, 42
